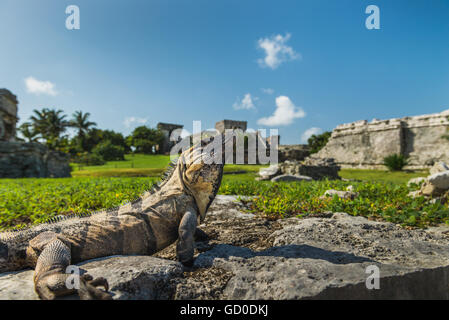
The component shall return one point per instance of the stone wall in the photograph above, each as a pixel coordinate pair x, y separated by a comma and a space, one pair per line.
8, 115
293, 152
31, 160
364, 144
167, 129
222, 125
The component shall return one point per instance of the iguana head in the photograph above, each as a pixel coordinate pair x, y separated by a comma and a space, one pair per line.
201, 170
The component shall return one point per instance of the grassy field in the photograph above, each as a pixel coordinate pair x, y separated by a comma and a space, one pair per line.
383, 194
140, 165
30, 201
380, 175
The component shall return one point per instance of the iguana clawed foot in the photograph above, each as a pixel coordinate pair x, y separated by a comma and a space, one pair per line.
88, 288
53, 286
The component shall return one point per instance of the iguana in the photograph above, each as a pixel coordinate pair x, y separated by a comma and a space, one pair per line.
142, 227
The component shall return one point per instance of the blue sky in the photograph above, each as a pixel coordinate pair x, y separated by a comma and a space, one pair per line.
147, 61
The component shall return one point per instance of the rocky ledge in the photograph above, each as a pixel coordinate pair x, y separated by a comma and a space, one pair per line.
240, 256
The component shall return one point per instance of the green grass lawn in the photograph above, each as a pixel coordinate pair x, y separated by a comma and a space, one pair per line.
381, 175
141, 165
132, 161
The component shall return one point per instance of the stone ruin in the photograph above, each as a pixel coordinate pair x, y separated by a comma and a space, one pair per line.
364, 144
21, 159
8, 115
311, 168
297, 152
167, 129
223, 125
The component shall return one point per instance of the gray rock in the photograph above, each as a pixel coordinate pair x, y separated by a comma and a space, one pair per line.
439, 180
341, 194
438, 167
328, 259
290, 177
293, 152
418, 181
270, 172
31, 160
414, 194
430, 190
129, 277
313, 167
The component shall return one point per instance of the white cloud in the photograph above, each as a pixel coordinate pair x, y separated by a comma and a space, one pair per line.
276, 51
267, 90
131, 121
40, 87
309, 132
284, 114
246, 103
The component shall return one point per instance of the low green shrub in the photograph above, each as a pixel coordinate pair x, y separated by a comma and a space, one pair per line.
89, 159
109, 151
395, 162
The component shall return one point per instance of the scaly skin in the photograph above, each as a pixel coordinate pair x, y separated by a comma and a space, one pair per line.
142, 227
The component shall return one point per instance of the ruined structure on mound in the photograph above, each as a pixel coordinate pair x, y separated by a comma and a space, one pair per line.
296, 152
223, 125
25, 160
8, 115
167, 129
364, 144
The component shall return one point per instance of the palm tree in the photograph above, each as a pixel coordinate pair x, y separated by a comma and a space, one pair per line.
28, 132
81, 123
50, 124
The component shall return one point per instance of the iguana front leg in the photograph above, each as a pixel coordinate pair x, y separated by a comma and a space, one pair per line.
53, 257
186, 243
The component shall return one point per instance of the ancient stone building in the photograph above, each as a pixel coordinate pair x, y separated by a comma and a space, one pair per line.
8, 115
296, 152
25, 160
364, 144
222, 125
167, 129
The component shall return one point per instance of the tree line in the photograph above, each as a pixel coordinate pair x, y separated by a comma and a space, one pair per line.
90, 145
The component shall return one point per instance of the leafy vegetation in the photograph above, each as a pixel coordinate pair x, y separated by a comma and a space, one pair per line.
30, 201
89, 159
145, 140
376, 201
50, 124
317, 142
395, 162
380, 175
109, 151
